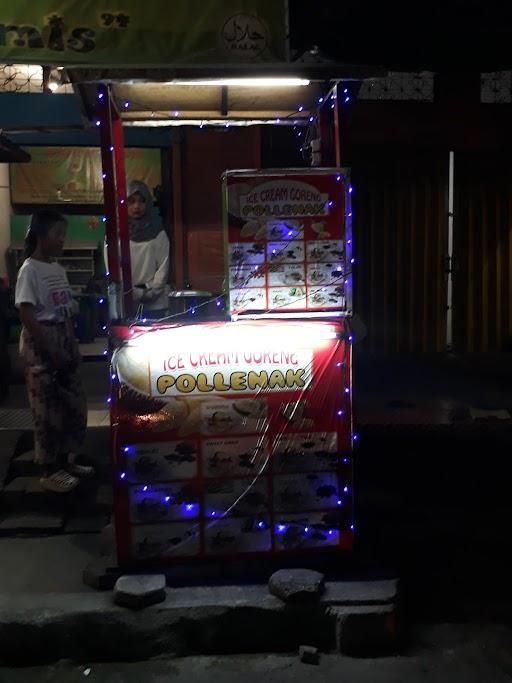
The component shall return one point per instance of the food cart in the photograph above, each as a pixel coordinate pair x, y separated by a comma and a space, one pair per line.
233, 437
232, 431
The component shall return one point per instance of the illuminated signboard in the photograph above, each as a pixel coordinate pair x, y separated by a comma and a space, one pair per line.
288, 241
232, 438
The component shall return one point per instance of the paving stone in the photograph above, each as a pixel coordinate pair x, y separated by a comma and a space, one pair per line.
297, 585
375, 631
5, 462
104, 498
86, 523
28, 522
309, 654
35, 493
86, 493
108, 539
27, 494
7, 451
23, 465
93, 500
139, 591
97, 443
14, 492
97, 450
25, 441
384, 592
97, 576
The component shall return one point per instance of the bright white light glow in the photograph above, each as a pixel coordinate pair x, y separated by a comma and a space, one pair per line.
247, 82
229, 336
52, 86
290, 316
156, 123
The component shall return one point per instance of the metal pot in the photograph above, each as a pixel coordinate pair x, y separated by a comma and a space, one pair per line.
189, 303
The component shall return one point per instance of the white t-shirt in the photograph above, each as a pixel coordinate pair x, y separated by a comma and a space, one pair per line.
45, 286
150, 267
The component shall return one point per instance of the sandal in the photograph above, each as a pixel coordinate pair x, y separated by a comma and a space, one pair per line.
76, 470
59, 482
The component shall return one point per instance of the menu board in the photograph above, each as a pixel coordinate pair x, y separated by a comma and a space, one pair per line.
232, 438
288, 241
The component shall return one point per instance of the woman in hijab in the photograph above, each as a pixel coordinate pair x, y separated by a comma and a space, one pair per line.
149, 251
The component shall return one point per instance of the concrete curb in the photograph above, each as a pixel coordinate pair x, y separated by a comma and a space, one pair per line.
359, 618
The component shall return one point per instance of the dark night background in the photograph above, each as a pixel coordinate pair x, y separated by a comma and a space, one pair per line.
406, 36
432, 482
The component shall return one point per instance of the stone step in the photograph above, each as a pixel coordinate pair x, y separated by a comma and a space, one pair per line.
24, 494
93, 498
86, 524
27, 494
104, 500
8, 444
14, 492
16, 523
23, 465
355, 618
96, 450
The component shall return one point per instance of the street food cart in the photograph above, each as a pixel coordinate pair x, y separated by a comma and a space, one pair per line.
233, 437
231, 432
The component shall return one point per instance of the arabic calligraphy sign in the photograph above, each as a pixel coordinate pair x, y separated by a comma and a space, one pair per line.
70, 32
245, 36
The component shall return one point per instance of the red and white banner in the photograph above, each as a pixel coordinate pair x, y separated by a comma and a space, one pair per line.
287, 242
232, 438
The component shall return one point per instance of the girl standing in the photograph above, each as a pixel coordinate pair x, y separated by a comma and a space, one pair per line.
50, 355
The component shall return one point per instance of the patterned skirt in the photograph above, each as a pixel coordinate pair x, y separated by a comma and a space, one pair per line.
57, 398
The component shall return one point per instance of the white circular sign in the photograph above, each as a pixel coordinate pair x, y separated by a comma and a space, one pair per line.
244, 37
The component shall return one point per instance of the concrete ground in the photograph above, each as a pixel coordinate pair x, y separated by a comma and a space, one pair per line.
446, 653
432, 481
436, 389
52, 564
433, 507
